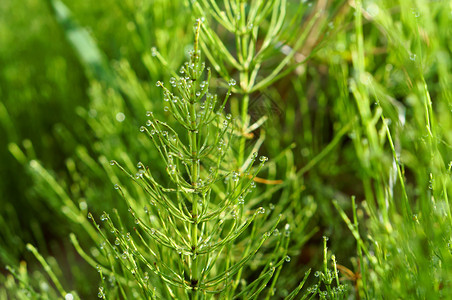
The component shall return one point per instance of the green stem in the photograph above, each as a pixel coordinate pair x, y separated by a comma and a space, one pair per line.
244, 119
193, 135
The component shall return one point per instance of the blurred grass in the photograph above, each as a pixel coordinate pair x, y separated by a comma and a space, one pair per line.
379, 73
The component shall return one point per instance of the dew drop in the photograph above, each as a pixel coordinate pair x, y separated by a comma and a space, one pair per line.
263, 158
69, 296
287, 258
232, 82
154, 51
120, 117
287, 230
112, 162
142, 128
412, 56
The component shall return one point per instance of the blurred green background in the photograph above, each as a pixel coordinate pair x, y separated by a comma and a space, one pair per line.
76, 81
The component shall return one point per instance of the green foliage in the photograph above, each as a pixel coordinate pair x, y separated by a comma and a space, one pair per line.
189, 233
350, 100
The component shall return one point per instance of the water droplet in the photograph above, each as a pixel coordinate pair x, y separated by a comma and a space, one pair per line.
261, 210
117, 242
116, 186
232, 82
373, 10
287, 230
154, 51
263, 158
165, 108
412, 56
287, 258
83, 205
112, 162
317, 273
198, 94
120, 117
69, 296
235, 176
142, 128
149, 113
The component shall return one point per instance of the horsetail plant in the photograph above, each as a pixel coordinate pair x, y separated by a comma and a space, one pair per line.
260, 30
189, 240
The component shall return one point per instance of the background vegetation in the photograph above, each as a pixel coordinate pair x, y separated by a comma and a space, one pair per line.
356, 97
